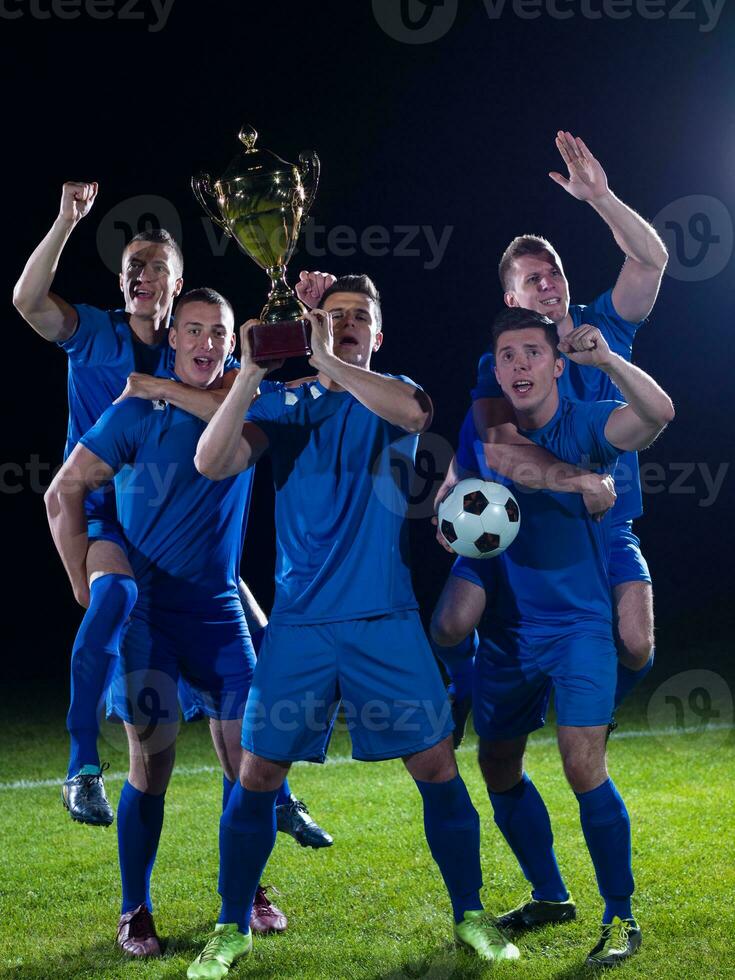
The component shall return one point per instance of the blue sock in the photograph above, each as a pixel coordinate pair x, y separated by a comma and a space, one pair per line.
522, 818
453, 834
111, 599
139, 822
284, 794
457, 657
227, 787
247, 833
606, 828
256, 638
628, 679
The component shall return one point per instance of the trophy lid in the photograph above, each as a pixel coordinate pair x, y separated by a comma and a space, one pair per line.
254, 161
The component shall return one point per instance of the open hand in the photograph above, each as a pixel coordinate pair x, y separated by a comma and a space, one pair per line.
587, 179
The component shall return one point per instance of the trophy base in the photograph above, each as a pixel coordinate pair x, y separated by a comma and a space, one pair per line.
278, 341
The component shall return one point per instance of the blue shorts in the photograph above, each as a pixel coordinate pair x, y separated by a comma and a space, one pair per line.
382, 669
626, 564
101, 511
514, 676
212, 652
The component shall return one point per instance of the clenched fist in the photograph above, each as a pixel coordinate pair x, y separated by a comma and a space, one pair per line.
77, 199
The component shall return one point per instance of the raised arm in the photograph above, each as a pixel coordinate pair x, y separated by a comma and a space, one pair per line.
228, 445
396, 401
645, 254
649, 410
64, 500
49, 315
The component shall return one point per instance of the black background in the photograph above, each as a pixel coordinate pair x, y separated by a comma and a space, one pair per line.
458, 132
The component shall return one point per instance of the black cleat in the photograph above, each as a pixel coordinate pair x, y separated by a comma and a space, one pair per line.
532, 914
619, 940
461, 708
84, 797
293, 818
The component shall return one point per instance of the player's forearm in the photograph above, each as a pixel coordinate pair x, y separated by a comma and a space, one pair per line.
644, 395
200, 402
256, 618
394, 400
31, 293
637, 239
222, 450
68, 524
532, 466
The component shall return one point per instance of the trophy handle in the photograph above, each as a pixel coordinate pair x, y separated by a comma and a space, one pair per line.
309, 170
201, 185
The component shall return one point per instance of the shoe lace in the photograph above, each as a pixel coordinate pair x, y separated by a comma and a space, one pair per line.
214, 947
92, 777
485, 926
300, 806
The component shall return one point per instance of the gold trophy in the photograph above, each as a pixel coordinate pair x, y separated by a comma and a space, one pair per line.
261, 202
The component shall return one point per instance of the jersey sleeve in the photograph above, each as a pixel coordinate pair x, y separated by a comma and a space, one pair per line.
93, 341
618, 332
487, 385
590, 419
117, 433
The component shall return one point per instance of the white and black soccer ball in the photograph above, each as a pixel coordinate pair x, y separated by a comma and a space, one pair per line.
479, 519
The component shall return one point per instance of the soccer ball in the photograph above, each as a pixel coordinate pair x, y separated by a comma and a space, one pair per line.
479, 519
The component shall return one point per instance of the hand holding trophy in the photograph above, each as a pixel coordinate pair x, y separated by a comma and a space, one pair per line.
261, 202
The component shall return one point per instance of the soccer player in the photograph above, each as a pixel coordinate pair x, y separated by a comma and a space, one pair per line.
344, 621
112, 354
183, 538
545, 619
532, 276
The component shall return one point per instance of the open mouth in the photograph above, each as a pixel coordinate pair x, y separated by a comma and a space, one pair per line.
522, 386
139, 293
553, 301
204, 363
348, 342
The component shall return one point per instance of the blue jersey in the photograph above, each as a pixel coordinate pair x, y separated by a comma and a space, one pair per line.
341, 476
555, 574
589, 384
184, 532
102, 352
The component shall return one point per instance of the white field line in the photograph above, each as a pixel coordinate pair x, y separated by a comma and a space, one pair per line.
341, 760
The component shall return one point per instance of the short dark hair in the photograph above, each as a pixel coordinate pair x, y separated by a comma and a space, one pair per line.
516, 318
523, 245
159, 236
356, 284
204, 295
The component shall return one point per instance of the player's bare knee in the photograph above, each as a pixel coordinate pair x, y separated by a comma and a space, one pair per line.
261, 775
445, 628
501, 764
434, 765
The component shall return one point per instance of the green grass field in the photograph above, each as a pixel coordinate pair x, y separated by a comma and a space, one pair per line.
373, 905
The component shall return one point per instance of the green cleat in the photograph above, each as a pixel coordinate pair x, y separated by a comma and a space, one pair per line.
478, 933
619, 940
225, 945
532, 913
